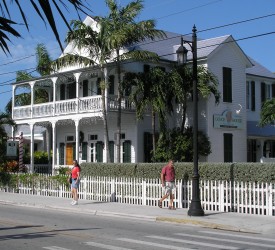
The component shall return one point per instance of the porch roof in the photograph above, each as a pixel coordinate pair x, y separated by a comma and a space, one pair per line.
253, 129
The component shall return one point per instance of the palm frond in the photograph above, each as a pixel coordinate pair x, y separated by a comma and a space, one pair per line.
44, 10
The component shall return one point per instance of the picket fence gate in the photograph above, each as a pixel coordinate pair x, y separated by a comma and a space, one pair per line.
221, 196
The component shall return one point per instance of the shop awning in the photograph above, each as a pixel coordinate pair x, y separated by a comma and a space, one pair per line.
253, 129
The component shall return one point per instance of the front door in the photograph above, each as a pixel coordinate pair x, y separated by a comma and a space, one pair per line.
69, 153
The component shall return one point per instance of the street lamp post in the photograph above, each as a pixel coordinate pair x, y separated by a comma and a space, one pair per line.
195, 208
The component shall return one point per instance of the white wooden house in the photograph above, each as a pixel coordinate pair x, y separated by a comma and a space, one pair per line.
73, 113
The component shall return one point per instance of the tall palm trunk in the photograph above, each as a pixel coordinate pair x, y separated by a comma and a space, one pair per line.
119, 96
104, 112
154, 131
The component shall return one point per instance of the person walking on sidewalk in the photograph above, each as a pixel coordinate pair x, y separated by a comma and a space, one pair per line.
167, 177
75, 181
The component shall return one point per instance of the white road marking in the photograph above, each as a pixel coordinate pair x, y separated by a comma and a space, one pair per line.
227, 240
95, 244
153, 244
238, 236
56, 248
192, 242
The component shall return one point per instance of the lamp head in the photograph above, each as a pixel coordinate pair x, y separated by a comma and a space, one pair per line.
181, 53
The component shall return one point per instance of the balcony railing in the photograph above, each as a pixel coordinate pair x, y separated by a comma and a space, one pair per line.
71, 106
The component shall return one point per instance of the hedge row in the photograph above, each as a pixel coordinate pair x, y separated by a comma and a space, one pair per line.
259, 172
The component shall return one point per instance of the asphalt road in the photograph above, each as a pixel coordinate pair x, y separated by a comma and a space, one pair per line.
35, 229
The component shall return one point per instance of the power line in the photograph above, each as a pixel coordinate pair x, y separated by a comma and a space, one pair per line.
178, 36
197, 7
20, 59
239, 22
199, 31
7, 73
235, 40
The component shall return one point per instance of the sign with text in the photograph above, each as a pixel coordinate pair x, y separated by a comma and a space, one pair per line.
228, 120
12, 147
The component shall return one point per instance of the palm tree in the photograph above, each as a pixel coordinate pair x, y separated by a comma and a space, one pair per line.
181, 81
96, 52
5, 119
151, 92
43, 61
44, 10
268, 112
124, 31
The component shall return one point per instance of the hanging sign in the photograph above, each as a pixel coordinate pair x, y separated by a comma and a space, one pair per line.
12, 147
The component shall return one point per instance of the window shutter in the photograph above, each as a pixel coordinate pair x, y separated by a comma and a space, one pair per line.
84, 151
111, 150
98, 92
85, 88
227, 84
74, 151
61, 153
62, 91
263, 97
99, 151
72, 90
273, 90
146, 68
127, 151
228, 147
148, 146
253, 97
111, 85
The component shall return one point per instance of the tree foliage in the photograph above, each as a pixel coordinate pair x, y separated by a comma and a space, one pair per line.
124, 31
267, 112
44, 9
5, 119
179, 146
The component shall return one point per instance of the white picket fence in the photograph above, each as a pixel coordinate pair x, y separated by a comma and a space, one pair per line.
222, 196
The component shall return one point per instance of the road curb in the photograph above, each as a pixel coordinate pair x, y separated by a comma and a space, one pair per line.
76, 209
205, 224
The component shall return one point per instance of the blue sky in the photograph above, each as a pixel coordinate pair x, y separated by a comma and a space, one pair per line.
177, 16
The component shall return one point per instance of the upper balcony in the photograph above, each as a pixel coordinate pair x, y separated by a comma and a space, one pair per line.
91, 104
72, 94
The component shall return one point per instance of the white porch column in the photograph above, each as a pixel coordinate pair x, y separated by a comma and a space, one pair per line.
32, 97
54, 79
77, 139
106, 89
77, 75
32, 147
106, 147
13, 99
54, 146
48, 139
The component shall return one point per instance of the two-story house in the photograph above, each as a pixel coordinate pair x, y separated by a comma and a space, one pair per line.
73, 113
260, 86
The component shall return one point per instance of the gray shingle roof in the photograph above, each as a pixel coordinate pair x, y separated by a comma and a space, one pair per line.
259, 70
166, 48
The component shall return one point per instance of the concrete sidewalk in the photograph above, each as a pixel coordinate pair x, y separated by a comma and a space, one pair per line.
218, 220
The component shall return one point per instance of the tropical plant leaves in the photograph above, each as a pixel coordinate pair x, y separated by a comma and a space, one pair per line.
44, 10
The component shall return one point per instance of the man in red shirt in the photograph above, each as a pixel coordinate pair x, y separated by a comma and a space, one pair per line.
167, 177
